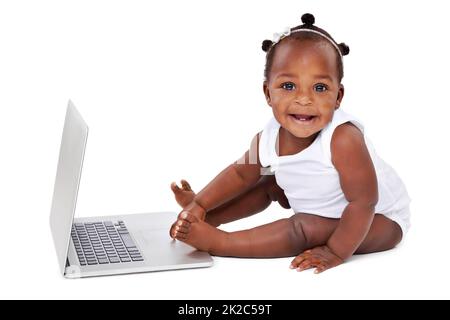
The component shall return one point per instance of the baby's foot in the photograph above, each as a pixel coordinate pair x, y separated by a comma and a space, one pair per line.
183, 195
198, 234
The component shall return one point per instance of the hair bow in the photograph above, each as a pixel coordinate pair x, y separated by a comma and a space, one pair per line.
278, 36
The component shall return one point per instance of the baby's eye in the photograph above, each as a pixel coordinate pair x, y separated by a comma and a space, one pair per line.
320, 87
288, 86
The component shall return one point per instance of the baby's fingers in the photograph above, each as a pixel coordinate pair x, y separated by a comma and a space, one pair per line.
327, 264
305, 265
321, 268
298, 260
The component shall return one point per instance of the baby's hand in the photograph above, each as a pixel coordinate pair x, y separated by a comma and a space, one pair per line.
321, 258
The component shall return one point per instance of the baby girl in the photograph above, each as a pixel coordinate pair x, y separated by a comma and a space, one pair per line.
312, 157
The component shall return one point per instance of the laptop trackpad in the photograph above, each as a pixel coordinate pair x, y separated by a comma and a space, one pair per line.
159, 246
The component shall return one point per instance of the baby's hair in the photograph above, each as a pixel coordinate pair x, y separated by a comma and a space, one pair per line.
306, 31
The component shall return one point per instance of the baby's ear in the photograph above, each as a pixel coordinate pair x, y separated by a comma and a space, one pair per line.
267, 93
339, 96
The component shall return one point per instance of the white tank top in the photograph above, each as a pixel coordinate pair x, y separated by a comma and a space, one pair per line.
310, 180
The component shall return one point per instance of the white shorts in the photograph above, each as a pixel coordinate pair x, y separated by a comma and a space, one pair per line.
401, 217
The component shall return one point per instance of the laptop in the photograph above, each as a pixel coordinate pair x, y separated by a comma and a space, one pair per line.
108, 245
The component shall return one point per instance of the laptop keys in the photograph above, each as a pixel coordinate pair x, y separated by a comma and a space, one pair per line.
104, 243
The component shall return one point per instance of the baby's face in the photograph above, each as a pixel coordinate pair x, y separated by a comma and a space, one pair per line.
303, 87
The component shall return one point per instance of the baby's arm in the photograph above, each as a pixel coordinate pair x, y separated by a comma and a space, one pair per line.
359, 184
229, 183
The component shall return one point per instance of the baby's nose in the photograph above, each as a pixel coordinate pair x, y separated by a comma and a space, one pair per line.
303, 99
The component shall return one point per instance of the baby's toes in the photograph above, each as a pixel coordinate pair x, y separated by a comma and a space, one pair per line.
181, 232
185, 185
175, 188
181, 229
190, 218
180, 236
172, 230
183, 223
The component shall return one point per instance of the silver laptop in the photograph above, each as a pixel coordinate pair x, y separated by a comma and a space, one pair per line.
108, 245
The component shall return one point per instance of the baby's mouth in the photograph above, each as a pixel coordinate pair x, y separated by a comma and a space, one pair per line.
302, 117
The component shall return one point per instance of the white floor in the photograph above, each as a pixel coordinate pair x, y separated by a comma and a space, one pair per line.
413, 270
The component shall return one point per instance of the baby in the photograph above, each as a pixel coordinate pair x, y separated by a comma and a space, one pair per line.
311, 157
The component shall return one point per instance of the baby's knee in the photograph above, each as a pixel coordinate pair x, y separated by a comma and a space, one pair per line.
298, 234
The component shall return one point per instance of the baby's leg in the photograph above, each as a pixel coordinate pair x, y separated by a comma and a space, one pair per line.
277, 239
282, 238
384, 234
253, 201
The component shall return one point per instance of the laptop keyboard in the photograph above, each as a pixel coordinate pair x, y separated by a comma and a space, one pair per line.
104, 243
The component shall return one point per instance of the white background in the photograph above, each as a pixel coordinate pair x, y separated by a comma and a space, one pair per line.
173, 89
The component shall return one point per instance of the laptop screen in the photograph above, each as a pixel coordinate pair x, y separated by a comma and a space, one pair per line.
71, 154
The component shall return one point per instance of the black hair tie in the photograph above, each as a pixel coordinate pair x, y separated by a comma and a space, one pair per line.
308, 19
